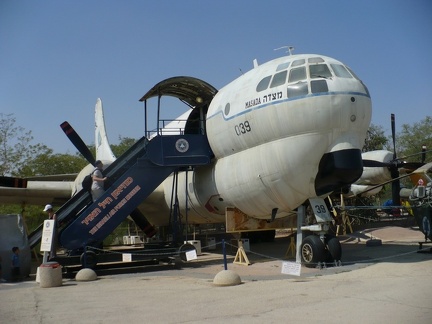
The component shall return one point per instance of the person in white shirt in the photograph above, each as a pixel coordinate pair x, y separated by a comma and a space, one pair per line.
97, 188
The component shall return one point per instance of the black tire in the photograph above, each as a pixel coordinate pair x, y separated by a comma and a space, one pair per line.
312, 251
89, 259
334, 247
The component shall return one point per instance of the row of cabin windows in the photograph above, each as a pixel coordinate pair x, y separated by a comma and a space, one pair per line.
298, 74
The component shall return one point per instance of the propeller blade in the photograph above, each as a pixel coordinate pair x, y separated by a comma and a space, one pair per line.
423, 154
375, 164
393, 129
411, 165
142, 222
77, 142
401, 164
394, 167
396, 192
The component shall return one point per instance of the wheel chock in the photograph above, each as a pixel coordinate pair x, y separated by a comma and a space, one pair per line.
291, 248
241, 257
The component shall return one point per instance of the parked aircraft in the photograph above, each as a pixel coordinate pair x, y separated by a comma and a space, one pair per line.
288, 131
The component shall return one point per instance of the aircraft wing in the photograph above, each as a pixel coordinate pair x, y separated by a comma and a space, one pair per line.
37, 193
54, 177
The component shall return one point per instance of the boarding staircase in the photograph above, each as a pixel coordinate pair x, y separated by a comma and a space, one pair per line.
135, 175
72, 208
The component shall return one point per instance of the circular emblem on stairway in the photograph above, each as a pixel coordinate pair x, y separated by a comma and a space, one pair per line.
182, 145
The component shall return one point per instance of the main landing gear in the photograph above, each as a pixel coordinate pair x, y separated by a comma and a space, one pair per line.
316, 250
317, 247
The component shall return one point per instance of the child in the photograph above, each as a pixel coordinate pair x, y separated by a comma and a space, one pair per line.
15, 269
1, 273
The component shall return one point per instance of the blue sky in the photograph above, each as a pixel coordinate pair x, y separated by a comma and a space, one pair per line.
57, 57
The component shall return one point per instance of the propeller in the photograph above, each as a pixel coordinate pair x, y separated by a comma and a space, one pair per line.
395, 164
77, 142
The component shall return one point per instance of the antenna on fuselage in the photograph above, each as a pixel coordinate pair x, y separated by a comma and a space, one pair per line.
290, 49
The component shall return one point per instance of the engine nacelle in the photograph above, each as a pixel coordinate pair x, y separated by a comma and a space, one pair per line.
375, 175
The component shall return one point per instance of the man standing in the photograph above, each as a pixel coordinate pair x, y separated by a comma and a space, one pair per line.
97, 187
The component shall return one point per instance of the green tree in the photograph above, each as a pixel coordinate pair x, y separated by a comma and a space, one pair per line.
15, 147
410, 140
123, 146
375, 139
49, 164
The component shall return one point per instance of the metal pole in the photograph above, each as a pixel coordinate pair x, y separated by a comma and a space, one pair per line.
186, 207
145, 119
158, 114
202, 125
301, 210
224, 254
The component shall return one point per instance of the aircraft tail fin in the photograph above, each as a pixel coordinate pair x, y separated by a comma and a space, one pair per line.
103, 149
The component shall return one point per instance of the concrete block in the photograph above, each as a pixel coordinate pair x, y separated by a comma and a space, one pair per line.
50, 275
86, 274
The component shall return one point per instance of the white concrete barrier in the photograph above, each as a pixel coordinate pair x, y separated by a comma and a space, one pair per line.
50, 275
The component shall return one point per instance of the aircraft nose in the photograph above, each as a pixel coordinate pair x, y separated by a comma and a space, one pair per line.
338, 169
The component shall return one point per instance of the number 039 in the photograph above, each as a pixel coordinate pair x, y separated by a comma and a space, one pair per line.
242, 128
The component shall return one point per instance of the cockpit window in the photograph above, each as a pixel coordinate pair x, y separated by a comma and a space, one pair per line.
319, 86
315, 60
297, 74
353, 74
282, 66
340, 71
263, 84
319, 71
279, 79
298, 62
298, 89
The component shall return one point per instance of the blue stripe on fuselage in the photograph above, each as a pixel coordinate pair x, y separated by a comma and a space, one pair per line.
287, 100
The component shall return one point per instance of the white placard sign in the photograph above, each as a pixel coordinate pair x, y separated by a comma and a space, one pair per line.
291, 268
127, 257
47, 235
191, 255
320, 210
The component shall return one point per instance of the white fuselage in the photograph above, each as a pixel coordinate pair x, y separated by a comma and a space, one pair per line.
268, 140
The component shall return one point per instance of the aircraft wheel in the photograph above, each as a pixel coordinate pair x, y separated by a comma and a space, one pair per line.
312, 251
334, 247
89, 259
